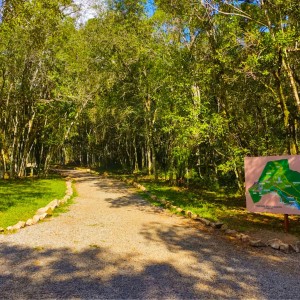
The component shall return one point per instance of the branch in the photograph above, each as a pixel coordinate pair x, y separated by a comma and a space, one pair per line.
243, 14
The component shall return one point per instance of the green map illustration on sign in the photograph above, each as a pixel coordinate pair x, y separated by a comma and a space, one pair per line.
277, 177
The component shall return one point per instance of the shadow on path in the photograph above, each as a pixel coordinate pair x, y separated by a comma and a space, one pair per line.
91, 273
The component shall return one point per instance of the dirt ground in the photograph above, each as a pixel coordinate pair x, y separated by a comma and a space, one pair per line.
112, 244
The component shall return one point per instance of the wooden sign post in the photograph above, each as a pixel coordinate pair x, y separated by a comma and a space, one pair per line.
286, 223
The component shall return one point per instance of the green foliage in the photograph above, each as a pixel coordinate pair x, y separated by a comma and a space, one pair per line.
192, 89
218, 206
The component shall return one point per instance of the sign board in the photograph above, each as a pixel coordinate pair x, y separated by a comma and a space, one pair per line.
273, 184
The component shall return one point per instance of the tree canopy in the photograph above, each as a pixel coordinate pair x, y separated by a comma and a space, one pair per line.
186, 91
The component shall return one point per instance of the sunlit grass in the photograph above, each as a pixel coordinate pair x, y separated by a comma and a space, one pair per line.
19, 199
228, 208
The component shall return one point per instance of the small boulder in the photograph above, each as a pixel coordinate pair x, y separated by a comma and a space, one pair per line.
294, 248
2, 229
218, 225
224, 227
179, 210
195, 216
153, 197
69, 193
52, 208
36, 218
274, 243
41, 210
45, 210
62, 201
188, 213
69, 184
29, 222
243, 237
204, 221
20, 224
257, 243
9, 228
54, 203
230, 231
43, 216
143, 188
284, 247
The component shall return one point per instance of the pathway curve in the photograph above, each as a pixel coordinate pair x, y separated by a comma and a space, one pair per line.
113, 245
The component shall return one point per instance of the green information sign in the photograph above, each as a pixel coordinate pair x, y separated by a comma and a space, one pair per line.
273, 184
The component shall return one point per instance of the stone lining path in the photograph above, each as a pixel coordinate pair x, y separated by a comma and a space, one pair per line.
114, 245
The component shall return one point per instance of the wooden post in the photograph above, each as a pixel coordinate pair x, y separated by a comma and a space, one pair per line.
286, 223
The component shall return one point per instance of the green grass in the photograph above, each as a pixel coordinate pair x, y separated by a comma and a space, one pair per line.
222, 206
19, 199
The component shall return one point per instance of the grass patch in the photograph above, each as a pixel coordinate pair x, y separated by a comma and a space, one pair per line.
222, 206
19, 199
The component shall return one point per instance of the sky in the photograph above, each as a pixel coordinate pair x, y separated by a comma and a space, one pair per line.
89, 12
88, 8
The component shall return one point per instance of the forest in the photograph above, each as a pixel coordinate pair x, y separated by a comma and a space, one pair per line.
184, 90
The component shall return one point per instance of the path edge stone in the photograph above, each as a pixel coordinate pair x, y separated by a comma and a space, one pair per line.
42, 212
244, 238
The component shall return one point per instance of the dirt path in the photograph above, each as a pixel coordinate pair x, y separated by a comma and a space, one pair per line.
113, 245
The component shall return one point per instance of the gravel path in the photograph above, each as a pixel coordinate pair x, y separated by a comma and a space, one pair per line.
113, 245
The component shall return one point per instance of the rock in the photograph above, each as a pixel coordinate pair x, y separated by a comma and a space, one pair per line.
245, 238
49, 210
43, 216
54, 203
62, 201
69, 193
9, 228
2, 229
153, 197
143, 188
213, 224
29, 222
164, 202
173, 206
284, 247
230, 231
188, 213
257, 243
168, 204
66, 198
224, 227
36, 218
274, 243
41, 210
195, 216
45, 210
294, 248
179, 210
20, 224
204, 221
218, 225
